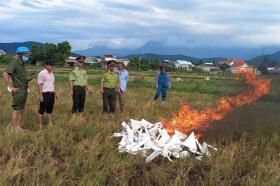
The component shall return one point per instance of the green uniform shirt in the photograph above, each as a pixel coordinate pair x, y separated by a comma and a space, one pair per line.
18, 74
79, 77
110, 80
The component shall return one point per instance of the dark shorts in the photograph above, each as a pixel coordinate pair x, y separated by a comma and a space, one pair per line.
47, 104
19, 99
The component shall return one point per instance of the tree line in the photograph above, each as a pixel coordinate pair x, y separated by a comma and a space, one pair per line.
142, 64
49, 51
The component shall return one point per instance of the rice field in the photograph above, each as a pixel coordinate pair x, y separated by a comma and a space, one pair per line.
81, 151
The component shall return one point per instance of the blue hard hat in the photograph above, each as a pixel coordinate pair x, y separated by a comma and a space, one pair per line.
22, 49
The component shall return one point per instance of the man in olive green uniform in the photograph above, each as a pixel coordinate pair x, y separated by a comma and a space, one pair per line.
78, 81
110, 82
19, 85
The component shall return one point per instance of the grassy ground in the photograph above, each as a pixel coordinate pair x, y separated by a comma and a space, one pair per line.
82, 151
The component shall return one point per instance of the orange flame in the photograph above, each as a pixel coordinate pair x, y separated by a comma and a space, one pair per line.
189, 119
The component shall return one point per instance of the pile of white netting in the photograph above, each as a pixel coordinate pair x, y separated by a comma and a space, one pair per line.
143, 137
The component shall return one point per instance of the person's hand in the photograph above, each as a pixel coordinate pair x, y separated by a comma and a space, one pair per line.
89, 89
102, 91
70, 93
41, 98
56, 97
14, 89
29, 78
117, 90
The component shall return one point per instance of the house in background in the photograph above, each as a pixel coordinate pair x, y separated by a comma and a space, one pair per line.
182, 64
208, 67
232, 62
273, 70
124, 61
167, 61
2, 52
105, 59
71, 61
92, 60
237, 66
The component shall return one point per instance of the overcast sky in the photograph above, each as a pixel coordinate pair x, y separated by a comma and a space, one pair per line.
131, 23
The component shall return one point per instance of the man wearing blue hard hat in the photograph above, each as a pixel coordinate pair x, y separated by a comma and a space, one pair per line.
16, 70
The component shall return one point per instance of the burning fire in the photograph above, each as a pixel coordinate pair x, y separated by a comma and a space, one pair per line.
189, 119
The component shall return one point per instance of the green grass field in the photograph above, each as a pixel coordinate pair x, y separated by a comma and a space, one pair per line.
82, 151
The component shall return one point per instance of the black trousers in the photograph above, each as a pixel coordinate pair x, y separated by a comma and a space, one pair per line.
109, 100
47, 104
79, 98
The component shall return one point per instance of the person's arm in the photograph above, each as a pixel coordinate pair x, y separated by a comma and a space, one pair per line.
41, 98
55, 93
8, 83
10, 69
30, 76
126, 77
119, 84
87, 85
168, 81
40, 82
87, 88
102, 85
157, 77
71, 79
71, 87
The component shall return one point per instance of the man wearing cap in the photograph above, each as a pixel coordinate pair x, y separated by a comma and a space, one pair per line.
110, 82
78, 85
46, 90
123, 74
19, 85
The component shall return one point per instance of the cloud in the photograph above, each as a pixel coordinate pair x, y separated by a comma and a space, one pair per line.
126, 23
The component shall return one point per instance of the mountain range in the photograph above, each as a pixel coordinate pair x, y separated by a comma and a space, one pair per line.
176, 57
155, 47
275, 57
152, 50
10, 48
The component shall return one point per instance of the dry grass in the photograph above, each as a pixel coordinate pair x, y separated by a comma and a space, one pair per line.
81, 151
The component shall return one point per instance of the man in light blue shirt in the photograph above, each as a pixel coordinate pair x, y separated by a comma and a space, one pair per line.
123, 82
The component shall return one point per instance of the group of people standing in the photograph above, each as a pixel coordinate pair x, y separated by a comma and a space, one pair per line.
112, 87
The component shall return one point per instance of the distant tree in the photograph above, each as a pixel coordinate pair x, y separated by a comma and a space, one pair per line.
224, 66
170, 66
48, 51
139, 63
144, 64
196, 63
133, 63
36, 54
58, 52
63, 51
154, 64
273, 63
4, 59
266, 62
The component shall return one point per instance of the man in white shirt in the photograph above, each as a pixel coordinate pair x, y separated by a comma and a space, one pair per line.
123, 74
47, 94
